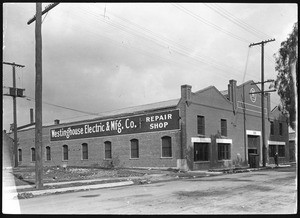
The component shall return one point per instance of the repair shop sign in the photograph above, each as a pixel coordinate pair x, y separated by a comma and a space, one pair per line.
168, 120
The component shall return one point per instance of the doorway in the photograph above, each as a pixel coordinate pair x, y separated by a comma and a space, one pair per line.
253, 146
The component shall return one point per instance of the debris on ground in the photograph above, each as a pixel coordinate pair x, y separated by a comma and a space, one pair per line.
25, 195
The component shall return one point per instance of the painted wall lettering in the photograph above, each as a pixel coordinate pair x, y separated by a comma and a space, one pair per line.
168, 120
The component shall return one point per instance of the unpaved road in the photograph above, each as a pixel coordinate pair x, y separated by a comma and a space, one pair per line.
259, 192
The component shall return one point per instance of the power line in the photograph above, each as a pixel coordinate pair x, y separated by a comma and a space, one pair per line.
203, 20
68, 108
180, 50
218, 9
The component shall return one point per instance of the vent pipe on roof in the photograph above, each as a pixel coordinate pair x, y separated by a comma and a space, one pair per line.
56, 122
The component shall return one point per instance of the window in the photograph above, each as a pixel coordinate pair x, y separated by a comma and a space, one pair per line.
223, 151
20, 154
223, 127
32, 154
107, 150
280, 128
281, 151
272, 128
85, 154
65, 152
272, 150
166, 146
48, 153
201, 152
201, 125
134, 148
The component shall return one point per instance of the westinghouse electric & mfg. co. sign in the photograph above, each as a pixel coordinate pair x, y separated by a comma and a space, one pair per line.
130, 125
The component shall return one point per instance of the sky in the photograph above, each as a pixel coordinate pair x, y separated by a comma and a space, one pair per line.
99, 57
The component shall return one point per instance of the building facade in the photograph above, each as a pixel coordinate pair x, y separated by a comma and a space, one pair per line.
200, 130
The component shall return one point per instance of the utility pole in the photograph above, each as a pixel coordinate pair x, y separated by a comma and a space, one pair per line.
38, 92
264, 150
13, 93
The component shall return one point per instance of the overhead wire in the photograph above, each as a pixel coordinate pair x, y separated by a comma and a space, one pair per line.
227, 15
173, 44
68, 108
174, 48
203, 20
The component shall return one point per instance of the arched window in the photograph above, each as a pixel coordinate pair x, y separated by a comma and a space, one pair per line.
85, 154
65, 152
107, 146
32, 154
166, 146
48, 153
134, 148
20, 154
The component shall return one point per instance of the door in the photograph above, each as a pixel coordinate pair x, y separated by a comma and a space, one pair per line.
253, 145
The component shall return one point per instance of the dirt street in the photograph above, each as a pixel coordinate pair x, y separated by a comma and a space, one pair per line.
259, 192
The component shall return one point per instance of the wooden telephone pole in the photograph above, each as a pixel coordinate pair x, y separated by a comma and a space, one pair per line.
38, 92
14, 93
264, 150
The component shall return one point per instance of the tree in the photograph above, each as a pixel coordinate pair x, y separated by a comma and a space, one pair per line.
286, 82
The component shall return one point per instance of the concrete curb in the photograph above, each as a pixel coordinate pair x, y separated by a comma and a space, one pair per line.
77, 188
58, 183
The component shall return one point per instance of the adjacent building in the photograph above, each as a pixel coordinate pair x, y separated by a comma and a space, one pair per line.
200, 130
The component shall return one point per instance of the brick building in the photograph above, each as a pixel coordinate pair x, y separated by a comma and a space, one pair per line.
200, 130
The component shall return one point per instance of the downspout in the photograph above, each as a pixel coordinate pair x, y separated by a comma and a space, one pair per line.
245, 135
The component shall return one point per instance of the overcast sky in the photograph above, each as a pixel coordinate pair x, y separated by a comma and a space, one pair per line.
100, 57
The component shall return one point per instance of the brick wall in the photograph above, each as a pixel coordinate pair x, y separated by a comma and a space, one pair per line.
150, 146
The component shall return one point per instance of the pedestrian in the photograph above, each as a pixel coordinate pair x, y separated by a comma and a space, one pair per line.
276, 159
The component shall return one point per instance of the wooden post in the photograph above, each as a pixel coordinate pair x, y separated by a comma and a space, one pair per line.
15, 118
38, 98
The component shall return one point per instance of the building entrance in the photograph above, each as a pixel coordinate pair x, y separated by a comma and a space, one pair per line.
253, 145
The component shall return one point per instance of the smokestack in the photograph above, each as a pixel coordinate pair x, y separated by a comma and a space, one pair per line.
56, 122
31, 116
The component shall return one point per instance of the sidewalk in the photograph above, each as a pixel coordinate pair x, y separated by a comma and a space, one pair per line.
28, 191
10, 204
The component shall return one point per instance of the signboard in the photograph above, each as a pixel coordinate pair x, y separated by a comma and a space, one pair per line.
162, 121
252, 96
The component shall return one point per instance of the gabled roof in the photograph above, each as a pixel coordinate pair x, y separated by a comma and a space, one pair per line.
141, 108
212, 87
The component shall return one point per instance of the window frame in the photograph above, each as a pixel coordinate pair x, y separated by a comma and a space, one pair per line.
106, 150
280, 129
20, 155
272, 151
65, 150
48, 154
83, 152
281, 150
225, 154
200, 125
132, 141
201, 146
224, 128
169, 147
272, 132
33, 157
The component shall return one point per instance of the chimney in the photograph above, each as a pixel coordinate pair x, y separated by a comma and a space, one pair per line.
232, 93
186, 92
56, 122
31, 115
